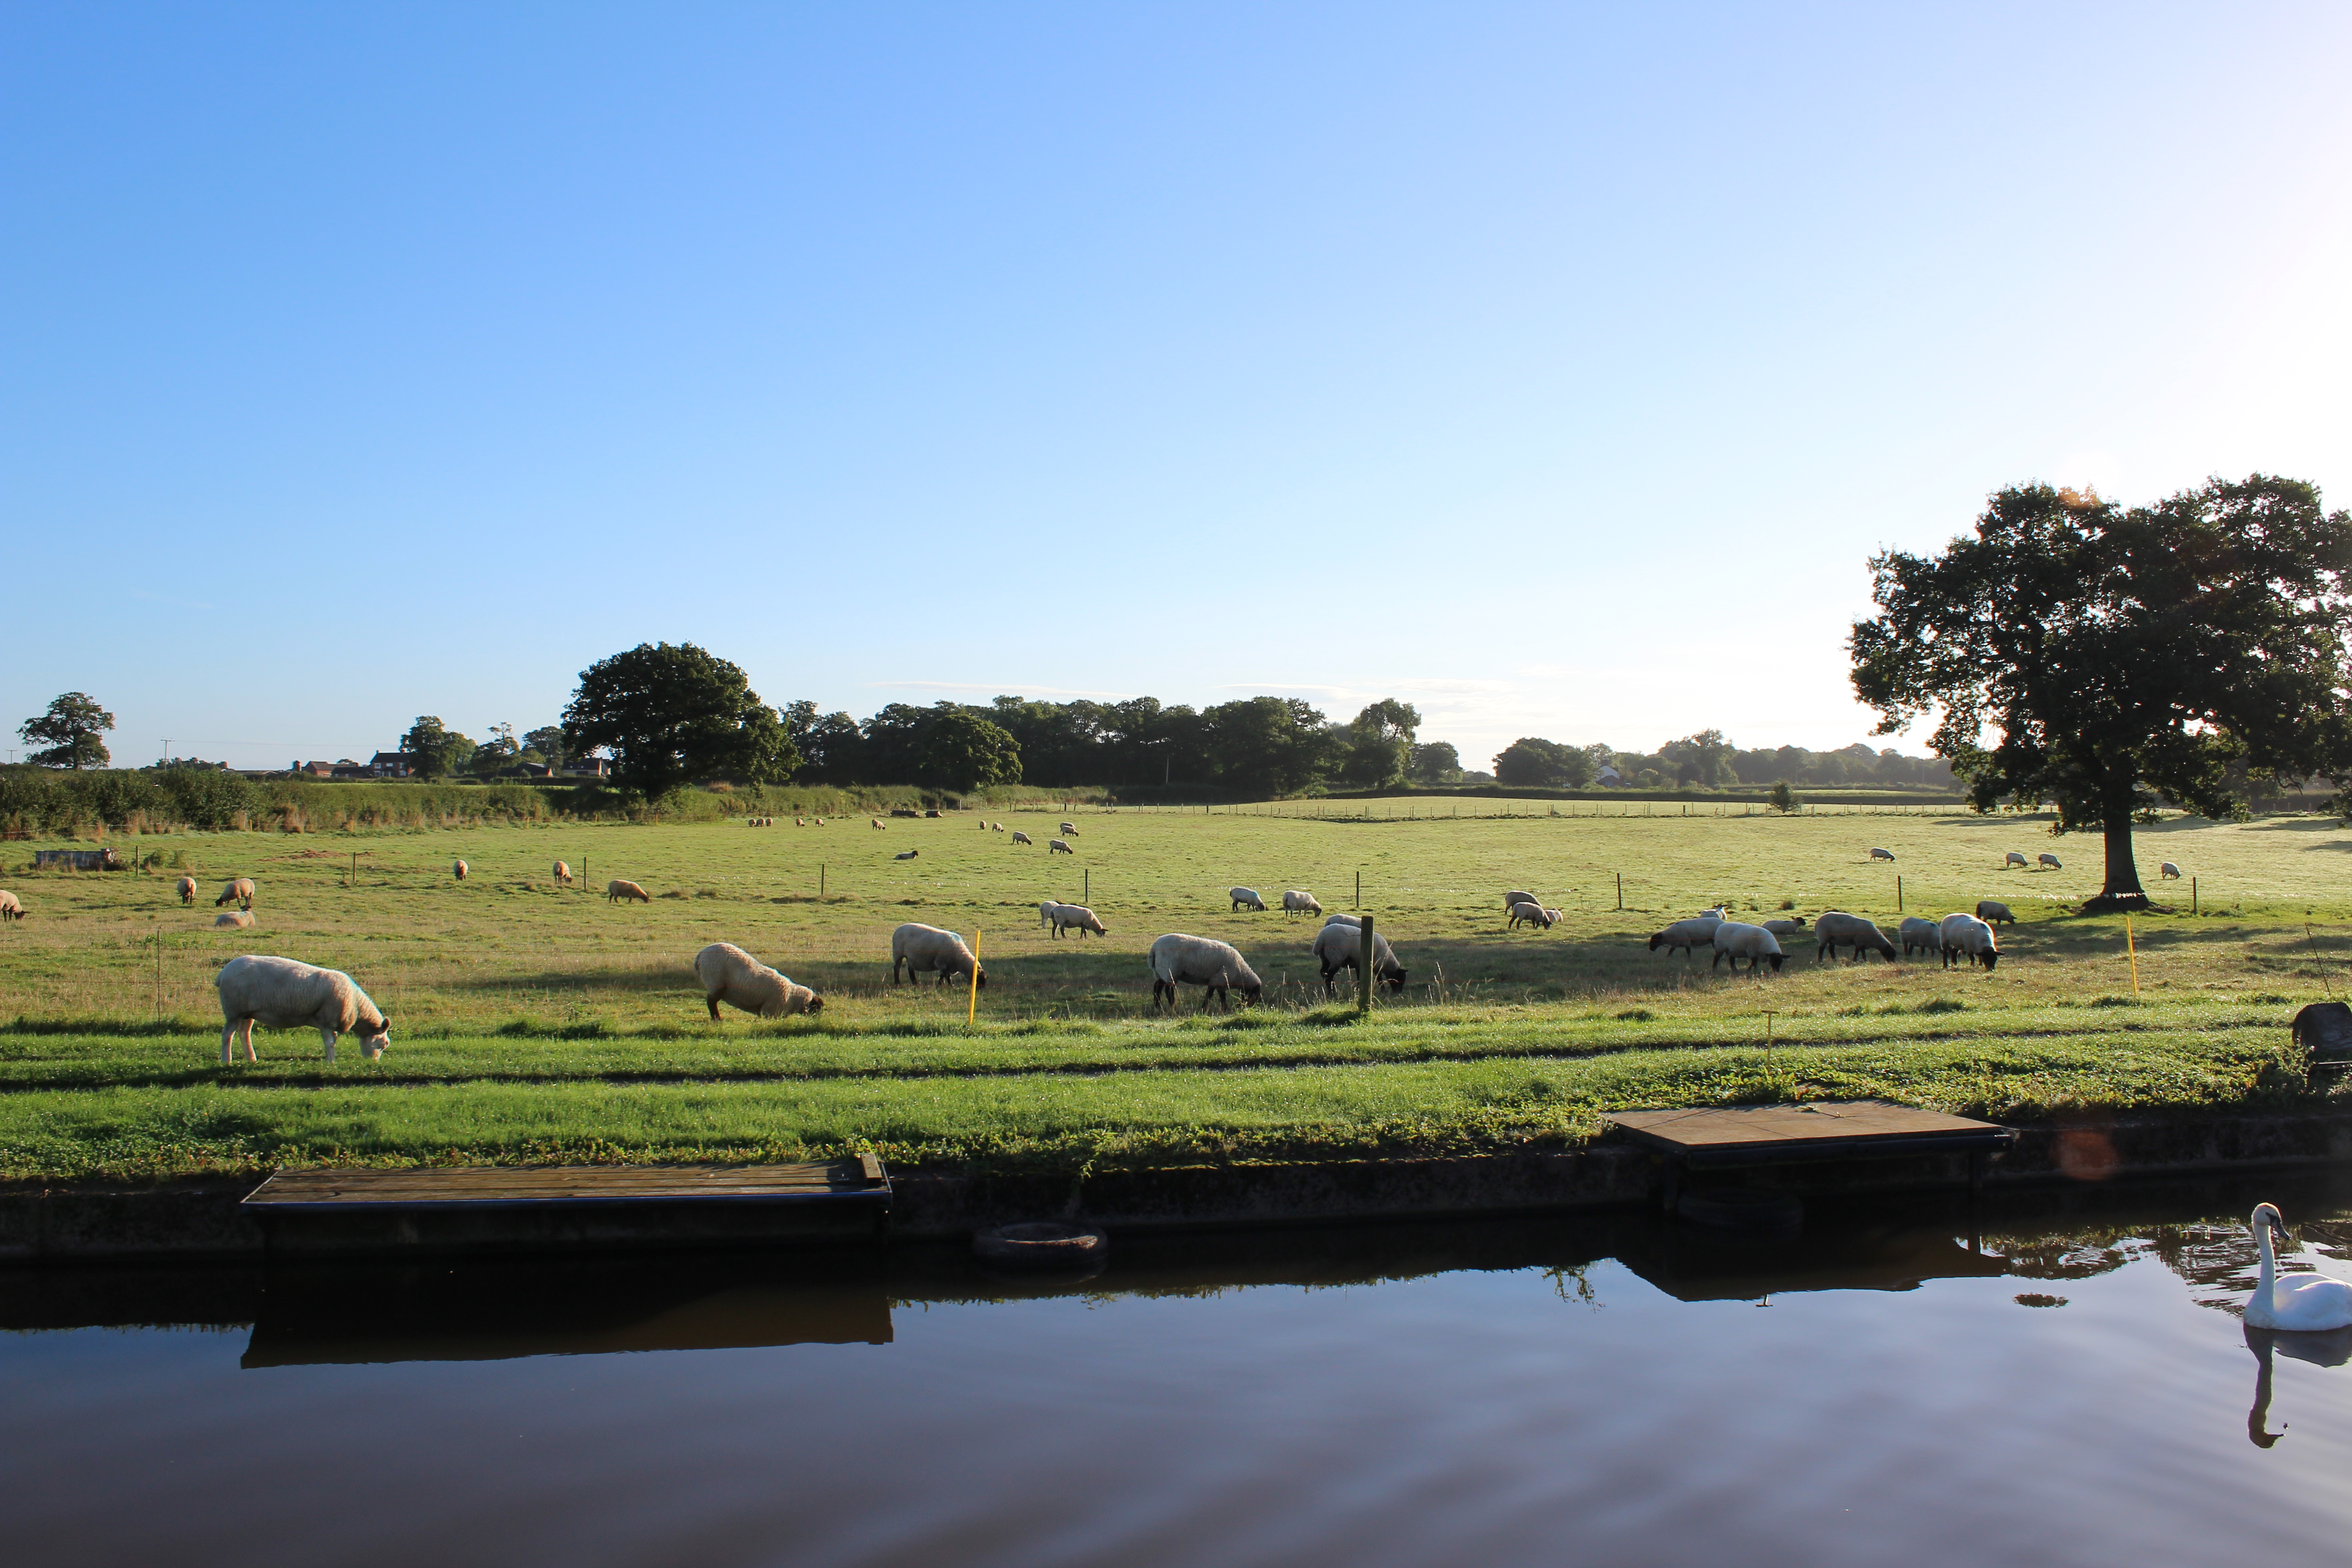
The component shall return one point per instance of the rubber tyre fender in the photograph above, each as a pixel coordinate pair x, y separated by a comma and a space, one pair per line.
1041, 1243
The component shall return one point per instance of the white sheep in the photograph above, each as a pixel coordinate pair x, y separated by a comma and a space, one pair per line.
1516, 897
1965, 936
820, 822
1177, 959
1341, 945
1295, 901
1245, 898
1923, 935
1067, 917
927, 949
562, 875
2168, 872
459, 870
906, 855
280, 994
731, 975
1527, 909
1735, 941
186, 888
1070, 828
1021, 838
878, 821
996, 828
10, 909
238, 891
983, 824
1058, 846
2013, 859
1687, 935
1993, 911
232, 920
2052, 861
1788, 927
615, 891
1882, 854
1836, 929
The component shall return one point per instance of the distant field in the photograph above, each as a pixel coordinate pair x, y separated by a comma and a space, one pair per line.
530, 1019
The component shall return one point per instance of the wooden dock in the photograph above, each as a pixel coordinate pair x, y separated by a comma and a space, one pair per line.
502, 1208
1721, 1136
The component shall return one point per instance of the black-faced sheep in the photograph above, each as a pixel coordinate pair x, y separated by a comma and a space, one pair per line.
1177, 959
1965, 936
731, 975
1993, 911
1341, 945
927, 948
617, 891
1837, 929
1245, 898
1687, 935
238, 891
280, 994
1734, 940
186, 888
1296, 901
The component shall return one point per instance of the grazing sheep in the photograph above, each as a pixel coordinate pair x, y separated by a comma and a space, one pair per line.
1341, 945
1923, 935
1993, 911
234, 919
1965, 936
1788, 927
1070, 828
1217, 967
239, 891
996, 828
562, 875
1516, 897
1882, 854
1058, 846
187, 889
2168, 872
2014, 858
1734, 940
10, 909
1063, 917
1298, 902
1245, 898
984, 824
878, 821
1687, 935
730, 974
616, 891
2052, 862
458, 870
1837, 929
820, 822
906, 855
280, 994
924, 949
1021, 838
1529, 910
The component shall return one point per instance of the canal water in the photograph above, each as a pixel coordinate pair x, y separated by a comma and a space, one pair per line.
2063, 1380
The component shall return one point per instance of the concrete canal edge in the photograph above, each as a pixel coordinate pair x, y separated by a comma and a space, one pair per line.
200, 1218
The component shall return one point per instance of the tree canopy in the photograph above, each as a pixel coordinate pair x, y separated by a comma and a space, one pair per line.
2123, 658
71, 729
672, 714
434, 749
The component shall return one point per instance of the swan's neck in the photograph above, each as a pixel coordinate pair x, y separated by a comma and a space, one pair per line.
2269, 1264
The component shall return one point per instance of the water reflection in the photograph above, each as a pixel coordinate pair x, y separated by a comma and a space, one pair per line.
2333, 1347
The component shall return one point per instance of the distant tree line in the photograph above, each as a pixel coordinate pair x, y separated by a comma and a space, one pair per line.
1708, 761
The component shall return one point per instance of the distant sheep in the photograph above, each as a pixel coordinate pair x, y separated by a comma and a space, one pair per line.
1516, 897
906, 855
984, 824
1965, 936
1687, 935
1058, 846
2052, 862
187, 889
280, 994
1734, 940
1993, 911
1070, 828
1922, 935
2014, 858
458, 870
562, 875
878, 821
1788, 927
1245, 898
996, 828
1837, 929
1532, 912
926, 949
1882, 854
1066, 917
731, 975
234, 919
1021, 838
10, 909
2169, 872
1341, 945
1295, 901
239, 892
1218, 968
614, 892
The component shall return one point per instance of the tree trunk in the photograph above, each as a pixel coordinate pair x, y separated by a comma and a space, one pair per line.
2123, 870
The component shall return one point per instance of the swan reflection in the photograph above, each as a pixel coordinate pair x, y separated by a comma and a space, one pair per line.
2332, 1347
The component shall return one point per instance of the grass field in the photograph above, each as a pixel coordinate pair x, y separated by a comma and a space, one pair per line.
530, 1021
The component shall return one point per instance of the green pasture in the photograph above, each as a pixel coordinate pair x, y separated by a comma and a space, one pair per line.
533, 1022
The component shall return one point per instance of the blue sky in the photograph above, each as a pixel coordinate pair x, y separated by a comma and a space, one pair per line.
1554, 368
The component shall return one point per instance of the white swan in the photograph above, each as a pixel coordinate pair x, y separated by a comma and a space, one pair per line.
2300, 1302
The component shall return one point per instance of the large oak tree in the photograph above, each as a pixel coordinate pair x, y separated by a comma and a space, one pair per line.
670, 715
2117, 659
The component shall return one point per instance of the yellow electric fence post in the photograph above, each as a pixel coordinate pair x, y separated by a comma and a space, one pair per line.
2133, 950
971, 1010
1768, 1017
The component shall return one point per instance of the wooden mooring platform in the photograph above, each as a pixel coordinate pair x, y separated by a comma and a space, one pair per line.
502, 1208
1724, 1136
